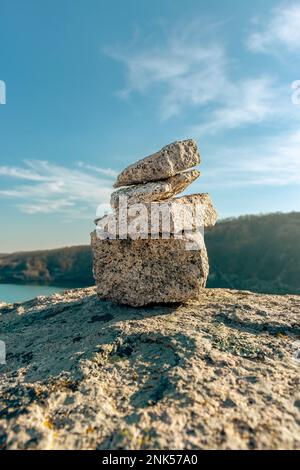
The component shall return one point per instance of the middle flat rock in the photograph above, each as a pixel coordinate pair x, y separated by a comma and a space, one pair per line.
155, 191
189, 213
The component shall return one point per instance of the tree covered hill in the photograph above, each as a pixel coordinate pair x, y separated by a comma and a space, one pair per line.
70, 266
258, 252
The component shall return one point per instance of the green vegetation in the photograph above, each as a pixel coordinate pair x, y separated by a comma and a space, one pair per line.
259, 253
65, 266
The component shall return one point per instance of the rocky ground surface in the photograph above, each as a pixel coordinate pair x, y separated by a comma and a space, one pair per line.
219, 373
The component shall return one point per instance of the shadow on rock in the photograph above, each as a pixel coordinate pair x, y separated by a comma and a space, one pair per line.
54, 339
256, 328
155, 360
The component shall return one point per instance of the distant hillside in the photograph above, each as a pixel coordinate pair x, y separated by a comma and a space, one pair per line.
64, 266
259, 253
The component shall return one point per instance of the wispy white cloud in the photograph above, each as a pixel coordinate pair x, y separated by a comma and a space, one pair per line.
282, 28
102, 171
191, 71
196, 75
22, 173
249, 102
51, 188
268, 161
46, 206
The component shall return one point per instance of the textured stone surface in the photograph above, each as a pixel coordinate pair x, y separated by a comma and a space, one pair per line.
170, 160
175, 215
210, 215
134, 268
217, 373
140, 272
155, 191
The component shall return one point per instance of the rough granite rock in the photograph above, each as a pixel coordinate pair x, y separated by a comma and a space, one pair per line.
170, 160
199, 213
141, 272
210, 214
217, 373
155, 191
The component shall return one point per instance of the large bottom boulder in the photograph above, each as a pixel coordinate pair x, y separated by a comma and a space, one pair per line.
146, 271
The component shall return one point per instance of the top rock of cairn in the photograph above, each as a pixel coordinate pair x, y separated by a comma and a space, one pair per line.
169, 161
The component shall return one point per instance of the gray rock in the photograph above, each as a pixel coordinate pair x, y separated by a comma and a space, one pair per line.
210, 214
170, 160
86, 374
191, 212
155, 191
139, 259
141, 272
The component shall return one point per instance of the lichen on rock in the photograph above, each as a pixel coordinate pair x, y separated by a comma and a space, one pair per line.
219, 372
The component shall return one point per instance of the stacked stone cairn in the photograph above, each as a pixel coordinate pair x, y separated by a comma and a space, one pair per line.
151, 248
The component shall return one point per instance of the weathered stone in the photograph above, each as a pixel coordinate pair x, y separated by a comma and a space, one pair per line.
151, 249
155, 191
170, 160
141, 272
171, 216
210, 214
82, 374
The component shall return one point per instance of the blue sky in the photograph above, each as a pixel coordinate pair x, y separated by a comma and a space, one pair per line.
93, 85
